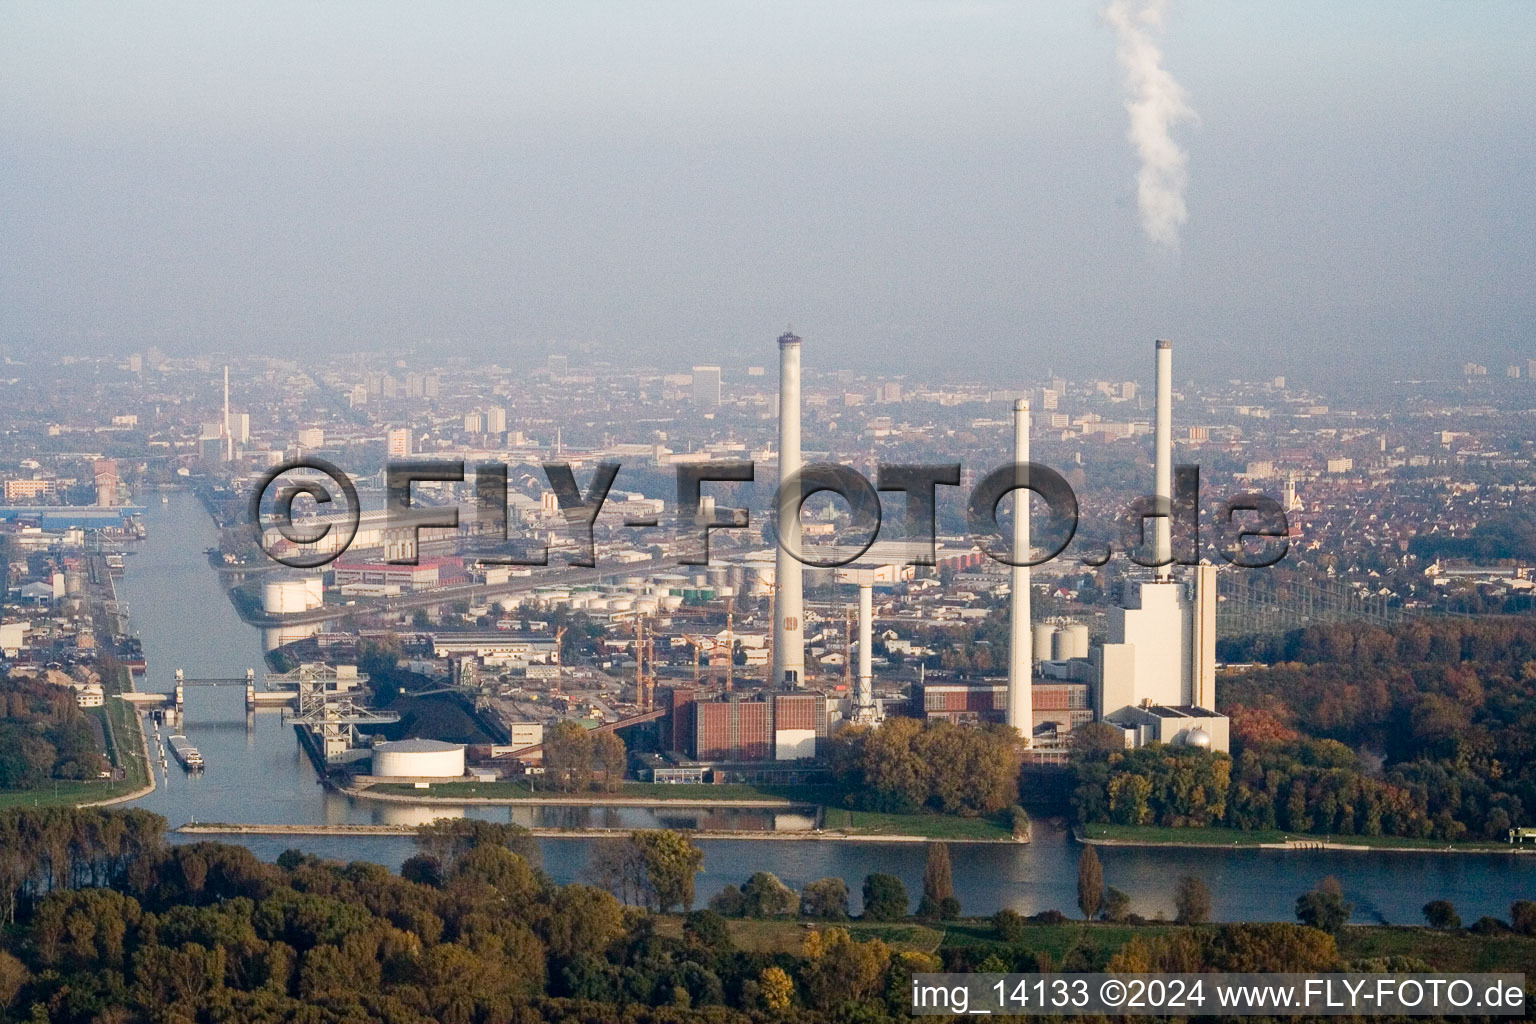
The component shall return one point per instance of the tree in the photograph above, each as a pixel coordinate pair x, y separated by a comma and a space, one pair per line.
825, 898
583, 920
765, 896
1009, 925
885, 898
707, 929
568, 756
938, 886
728, 902
841, 968
1522, 917
1441, 914
1324, 908
671, 860
1191, 901
776, 989
610, 759
1117, 906
1090, 883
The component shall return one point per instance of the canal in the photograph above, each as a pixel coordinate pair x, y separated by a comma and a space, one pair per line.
256, 773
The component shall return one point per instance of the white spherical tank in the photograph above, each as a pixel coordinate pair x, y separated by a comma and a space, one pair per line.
508, 604
419, 759
1198, 738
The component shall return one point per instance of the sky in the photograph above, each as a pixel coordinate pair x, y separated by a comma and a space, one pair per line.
916, 188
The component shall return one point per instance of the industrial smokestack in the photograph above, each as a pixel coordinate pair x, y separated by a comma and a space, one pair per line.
1021, 713
229, 439
788, 621
864, 706
1163, 460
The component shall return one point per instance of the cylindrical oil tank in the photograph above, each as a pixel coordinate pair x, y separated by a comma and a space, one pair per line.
420, 759
621, 604
646, 605
284, 597
671, 603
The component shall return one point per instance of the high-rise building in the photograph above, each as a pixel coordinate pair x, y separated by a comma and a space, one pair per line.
312, 437
398, 443
495, 420
706, 386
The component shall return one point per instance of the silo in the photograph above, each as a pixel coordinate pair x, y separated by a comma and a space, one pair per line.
1061, 645
1078, 634
1043, 631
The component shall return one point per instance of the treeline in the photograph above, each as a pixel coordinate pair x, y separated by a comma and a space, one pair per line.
906, 766
110, 925
44, 735
1428, 731
470, 931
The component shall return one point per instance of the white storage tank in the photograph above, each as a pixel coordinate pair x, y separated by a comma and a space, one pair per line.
646, 605
620, 604
1041, 633
671, 603
284, 597
1061, 645
419, 759
508, 604
1078, 634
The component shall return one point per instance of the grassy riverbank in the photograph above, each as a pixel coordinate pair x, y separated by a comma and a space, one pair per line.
1151, 835
521, 789
835, 820
124, 748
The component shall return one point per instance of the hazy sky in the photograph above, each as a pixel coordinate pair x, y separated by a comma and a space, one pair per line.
911, 185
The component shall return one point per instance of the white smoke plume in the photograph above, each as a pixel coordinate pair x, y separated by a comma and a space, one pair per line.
1156, 103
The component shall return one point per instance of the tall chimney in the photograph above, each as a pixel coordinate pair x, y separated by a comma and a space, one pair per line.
864, 704
229, 439
1163, 460
1021, 714
788, 621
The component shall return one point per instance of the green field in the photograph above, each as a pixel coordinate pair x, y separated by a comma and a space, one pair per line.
929, 826
1227, 837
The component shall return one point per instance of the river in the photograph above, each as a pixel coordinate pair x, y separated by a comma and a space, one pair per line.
257, 773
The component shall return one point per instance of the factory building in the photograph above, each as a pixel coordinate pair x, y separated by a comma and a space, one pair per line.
1156, 674
769, 727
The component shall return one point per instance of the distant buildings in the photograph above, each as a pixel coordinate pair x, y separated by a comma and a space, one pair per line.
706, 386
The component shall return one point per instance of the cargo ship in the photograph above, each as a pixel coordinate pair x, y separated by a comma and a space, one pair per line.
183, 750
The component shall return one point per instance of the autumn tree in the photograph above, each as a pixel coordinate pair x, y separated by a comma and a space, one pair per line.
938, 886
1090, 883
671, 861
1191, 901
825, 898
